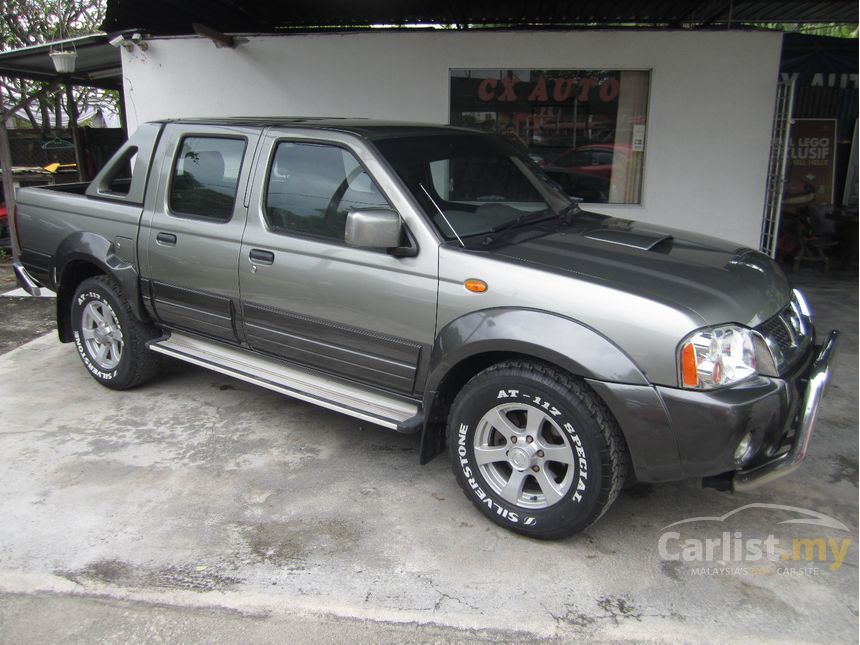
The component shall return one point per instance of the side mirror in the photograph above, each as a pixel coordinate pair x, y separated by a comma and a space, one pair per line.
377, 228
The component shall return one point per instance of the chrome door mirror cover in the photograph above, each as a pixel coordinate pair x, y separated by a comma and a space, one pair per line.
378, 228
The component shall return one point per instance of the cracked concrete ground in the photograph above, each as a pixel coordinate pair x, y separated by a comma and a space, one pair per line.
25, 318
199, 508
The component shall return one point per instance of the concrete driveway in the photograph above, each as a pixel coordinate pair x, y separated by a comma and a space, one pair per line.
201, 508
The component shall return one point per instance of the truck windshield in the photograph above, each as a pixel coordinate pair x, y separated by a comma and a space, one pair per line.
472, 184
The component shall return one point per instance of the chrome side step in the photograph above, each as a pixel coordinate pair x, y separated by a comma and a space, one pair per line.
324, 391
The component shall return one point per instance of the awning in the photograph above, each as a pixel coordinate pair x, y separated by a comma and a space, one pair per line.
174, 17
98, 63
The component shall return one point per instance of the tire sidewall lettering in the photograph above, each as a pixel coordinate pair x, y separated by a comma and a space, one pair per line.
579, 498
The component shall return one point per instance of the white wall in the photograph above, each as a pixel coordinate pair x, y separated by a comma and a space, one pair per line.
709, 116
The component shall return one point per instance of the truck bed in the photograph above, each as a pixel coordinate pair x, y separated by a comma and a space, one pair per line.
76, 188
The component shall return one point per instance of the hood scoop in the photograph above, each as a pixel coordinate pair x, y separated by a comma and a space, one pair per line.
633, 239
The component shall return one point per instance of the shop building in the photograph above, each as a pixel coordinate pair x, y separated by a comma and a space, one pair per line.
668, 127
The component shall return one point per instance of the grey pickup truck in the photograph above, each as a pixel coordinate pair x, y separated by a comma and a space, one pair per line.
433, 280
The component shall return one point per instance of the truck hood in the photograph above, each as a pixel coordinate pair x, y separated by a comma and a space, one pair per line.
716, 280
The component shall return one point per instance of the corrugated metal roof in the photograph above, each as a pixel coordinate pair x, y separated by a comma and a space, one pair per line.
174, 17
97, 65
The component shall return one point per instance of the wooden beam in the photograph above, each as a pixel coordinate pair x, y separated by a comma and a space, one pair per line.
220, 39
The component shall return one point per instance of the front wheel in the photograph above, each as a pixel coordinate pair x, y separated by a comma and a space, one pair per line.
110, 340
535, 450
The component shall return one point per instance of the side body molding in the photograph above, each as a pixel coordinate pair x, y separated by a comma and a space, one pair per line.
556, 339
93, 249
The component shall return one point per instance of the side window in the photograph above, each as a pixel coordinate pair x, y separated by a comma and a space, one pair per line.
205, 177
602, 158
118, 182
313, 186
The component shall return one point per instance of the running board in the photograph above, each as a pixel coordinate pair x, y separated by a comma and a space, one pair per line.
324, 391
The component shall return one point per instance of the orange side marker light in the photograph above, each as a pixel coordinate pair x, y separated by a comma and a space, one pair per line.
475, 286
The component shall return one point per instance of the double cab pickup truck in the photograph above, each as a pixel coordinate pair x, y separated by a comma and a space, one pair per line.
434, 280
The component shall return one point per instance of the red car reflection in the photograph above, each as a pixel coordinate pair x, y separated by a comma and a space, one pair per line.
593, 159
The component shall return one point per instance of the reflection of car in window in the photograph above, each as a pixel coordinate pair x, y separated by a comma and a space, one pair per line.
594, 159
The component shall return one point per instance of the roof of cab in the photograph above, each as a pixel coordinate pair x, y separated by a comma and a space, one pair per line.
367, 128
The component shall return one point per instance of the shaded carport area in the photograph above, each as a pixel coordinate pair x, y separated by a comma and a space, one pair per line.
200, 508
96, 64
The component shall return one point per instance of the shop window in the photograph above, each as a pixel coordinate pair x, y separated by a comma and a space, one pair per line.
585, 128
205, 177
312, 187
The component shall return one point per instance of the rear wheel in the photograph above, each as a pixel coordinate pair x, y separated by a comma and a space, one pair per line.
535, 450
111, 341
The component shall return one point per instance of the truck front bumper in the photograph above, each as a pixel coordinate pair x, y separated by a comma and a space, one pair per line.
674, 434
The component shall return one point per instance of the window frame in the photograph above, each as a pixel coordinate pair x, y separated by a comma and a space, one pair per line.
311, 236
174, 160
104, 189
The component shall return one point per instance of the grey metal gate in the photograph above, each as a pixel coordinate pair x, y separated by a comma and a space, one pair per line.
776, 167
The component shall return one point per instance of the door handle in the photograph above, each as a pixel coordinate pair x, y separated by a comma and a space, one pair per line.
261, 257
166, 239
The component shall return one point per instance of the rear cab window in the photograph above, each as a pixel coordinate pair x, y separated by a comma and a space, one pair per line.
123, 179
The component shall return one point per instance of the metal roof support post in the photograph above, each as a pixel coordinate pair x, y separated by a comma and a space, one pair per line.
72, 110
8, 184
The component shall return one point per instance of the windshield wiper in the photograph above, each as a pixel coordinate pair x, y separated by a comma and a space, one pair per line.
525, 218
568, 212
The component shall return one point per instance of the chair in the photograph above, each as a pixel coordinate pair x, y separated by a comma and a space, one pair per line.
815, 237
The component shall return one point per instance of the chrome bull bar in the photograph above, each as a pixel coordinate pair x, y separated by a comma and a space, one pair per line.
788, 462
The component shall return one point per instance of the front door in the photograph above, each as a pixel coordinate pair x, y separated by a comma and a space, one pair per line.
309, 298
193, 231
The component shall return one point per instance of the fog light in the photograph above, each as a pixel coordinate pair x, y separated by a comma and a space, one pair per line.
743, 449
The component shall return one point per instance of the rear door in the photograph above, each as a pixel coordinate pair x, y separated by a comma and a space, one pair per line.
192, 230
309, 298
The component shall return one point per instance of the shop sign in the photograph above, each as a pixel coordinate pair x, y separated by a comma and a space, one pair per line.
811, 161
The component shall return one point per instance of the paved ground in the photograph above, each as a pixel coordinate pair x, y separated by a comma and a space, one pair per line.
22, 319
199, 508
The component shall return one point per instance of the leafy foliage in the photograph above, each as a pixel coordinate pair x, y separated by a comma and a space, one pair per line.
24, 23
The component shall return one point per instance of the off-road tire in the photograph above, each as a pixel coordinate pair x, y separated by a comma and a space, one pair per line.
546, 412
132, 364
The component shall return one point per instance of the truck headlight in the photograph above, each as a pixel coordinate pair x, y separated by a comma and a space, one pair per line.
717, 356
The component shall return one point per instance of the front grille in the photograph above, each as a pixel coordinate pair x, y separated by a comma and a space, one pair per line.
775, 330
788, 334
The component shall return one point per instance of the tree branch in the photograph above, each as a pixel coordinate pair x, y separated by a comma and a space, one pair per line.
33, 97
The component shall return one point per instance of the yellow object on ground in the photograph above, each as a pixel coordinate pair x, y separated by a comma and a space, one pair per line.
58, 167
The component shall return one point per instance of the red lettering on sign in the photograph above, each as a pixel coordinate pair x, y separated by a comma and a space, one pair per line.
562, 89
539, 93
585, 87
509, 94
609, 90
486, 90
